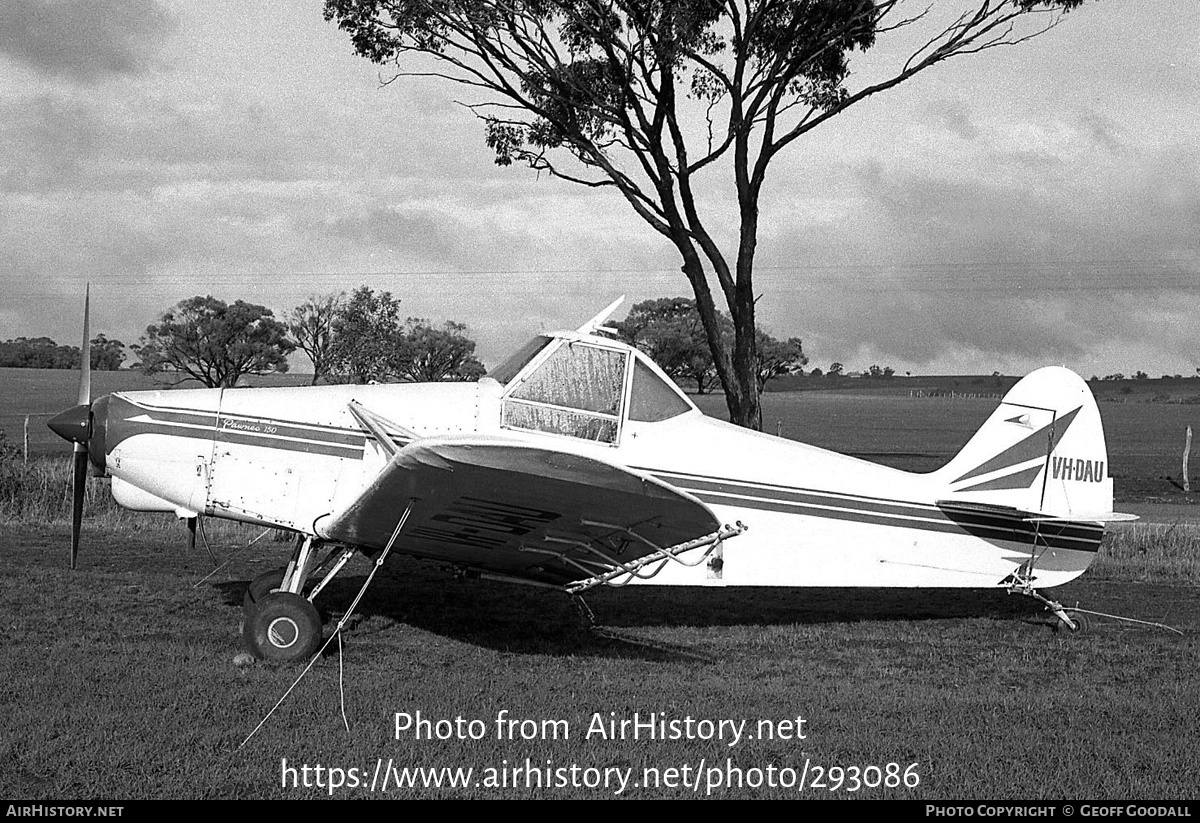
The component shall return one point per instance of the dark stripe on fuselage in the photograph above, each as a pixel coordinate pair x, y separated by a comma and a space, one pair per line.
885, 512
128, 419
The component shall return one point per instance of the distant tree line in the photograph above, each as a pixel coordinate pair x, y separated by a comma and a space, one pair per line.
362, 338
355, 339
44, 353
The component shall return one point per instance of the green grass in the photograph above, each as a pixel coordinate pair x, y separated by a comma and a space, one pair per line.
1152, 552
118, 680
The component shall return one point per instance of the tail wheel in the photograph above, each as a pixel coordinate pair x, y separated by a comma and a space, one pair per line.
264, 584
283, 627
1083, 624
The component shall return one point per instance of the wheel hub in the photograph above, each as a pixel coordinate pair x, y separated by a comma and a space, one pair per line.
283, 632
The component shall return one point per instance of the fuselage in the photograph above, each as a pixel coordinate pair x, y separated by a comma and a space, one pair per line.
289, 457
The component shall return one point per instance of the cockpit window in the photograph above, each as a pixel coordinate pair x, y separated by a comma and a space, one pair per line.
579, 377
577, 391
508, 369
652, 399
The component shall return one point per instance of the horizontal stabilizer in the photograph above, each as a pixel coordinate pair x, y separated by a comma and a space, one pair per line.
970, 507
1088, 517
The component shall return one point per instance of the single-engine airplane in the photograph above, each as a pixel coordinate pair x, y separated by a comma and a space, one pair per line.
578, 463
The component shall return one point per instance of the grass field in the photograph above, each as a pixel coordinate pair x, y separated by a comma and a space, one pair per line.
119, 681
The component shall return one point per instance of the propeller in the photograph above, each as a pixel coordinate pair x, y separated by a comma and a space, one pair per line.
75, 424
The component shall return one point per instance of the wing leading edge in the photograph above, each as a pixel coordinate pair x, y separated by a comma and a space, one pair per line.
520, 510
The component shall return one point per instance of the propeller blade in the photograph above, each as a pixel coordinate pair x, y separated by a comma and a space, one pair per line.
78, 487
85, 365
81, 432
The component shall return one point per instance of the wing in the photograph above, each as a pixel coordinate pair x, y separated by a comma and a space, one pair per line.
516, 509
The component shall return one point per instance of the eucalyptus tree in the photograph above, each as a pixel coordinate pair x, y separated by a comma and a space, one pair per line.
667, 101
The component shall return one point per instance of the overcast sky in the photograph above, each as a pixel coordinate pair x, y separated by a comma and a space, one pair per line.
1035, 204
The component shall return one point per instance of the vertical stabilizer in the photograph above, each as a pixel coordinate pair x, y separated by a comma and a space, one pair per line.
1041, 451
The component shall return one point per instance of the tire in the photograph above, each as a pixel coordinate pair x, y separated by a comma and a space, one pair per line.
282, 627
265, 583
1083, 624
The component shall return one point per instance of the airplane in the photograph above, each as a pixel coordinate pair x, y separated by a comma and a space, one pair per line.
579, 463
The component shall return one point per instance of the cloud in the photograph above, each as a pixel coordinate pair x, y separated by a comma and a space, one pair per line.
1008, 243
83, 40
953, 226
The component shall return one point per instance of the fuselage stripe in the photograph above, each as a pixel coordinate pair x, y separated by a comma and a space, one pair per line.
881, 511
239, 429
1014, 531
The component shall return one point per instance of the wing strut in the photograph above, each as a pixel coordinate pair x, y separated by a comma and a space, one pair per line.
609, 569
378, 425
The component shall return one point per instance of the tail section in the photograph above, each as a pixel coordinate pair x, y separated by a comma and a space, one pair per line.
1041, 452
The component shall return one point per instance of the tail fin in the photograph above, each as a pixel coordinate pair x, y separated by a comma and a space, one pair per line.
1041, 452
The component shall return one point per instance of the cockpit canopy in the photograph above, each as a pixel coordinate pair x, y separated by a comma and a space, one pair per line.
585, 387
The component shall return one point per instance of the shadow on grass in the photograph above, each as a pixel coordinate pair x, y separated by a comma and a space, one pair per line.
529, 620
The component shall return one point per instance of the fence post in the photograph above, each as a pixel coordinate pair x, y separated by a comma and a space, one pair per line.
1187, 448
26, 440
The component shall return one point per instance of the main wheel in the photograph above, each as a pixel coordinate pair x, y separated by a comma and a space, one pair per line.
265, 583
282, 626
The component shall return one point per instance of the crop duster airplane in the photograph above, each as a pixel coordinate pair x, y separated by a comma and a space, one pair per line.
578, 463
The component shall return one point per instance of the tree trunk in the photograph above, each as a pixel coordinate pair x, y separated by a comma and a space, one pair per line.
742, 396
734, 360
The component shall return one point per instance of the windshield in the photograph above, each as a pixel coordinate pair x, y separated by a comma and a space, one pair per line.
508, 369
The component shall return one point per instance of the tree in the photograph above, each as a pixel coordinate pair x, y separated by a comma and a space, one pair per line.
215, 343
835, 370
670, 331
777, 358
368, 343
311, 325
366, 336
107, 355
430, 354
661, 101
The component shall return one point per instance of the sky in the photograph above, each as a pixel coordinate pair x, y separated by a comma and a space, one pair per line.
1031, 205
